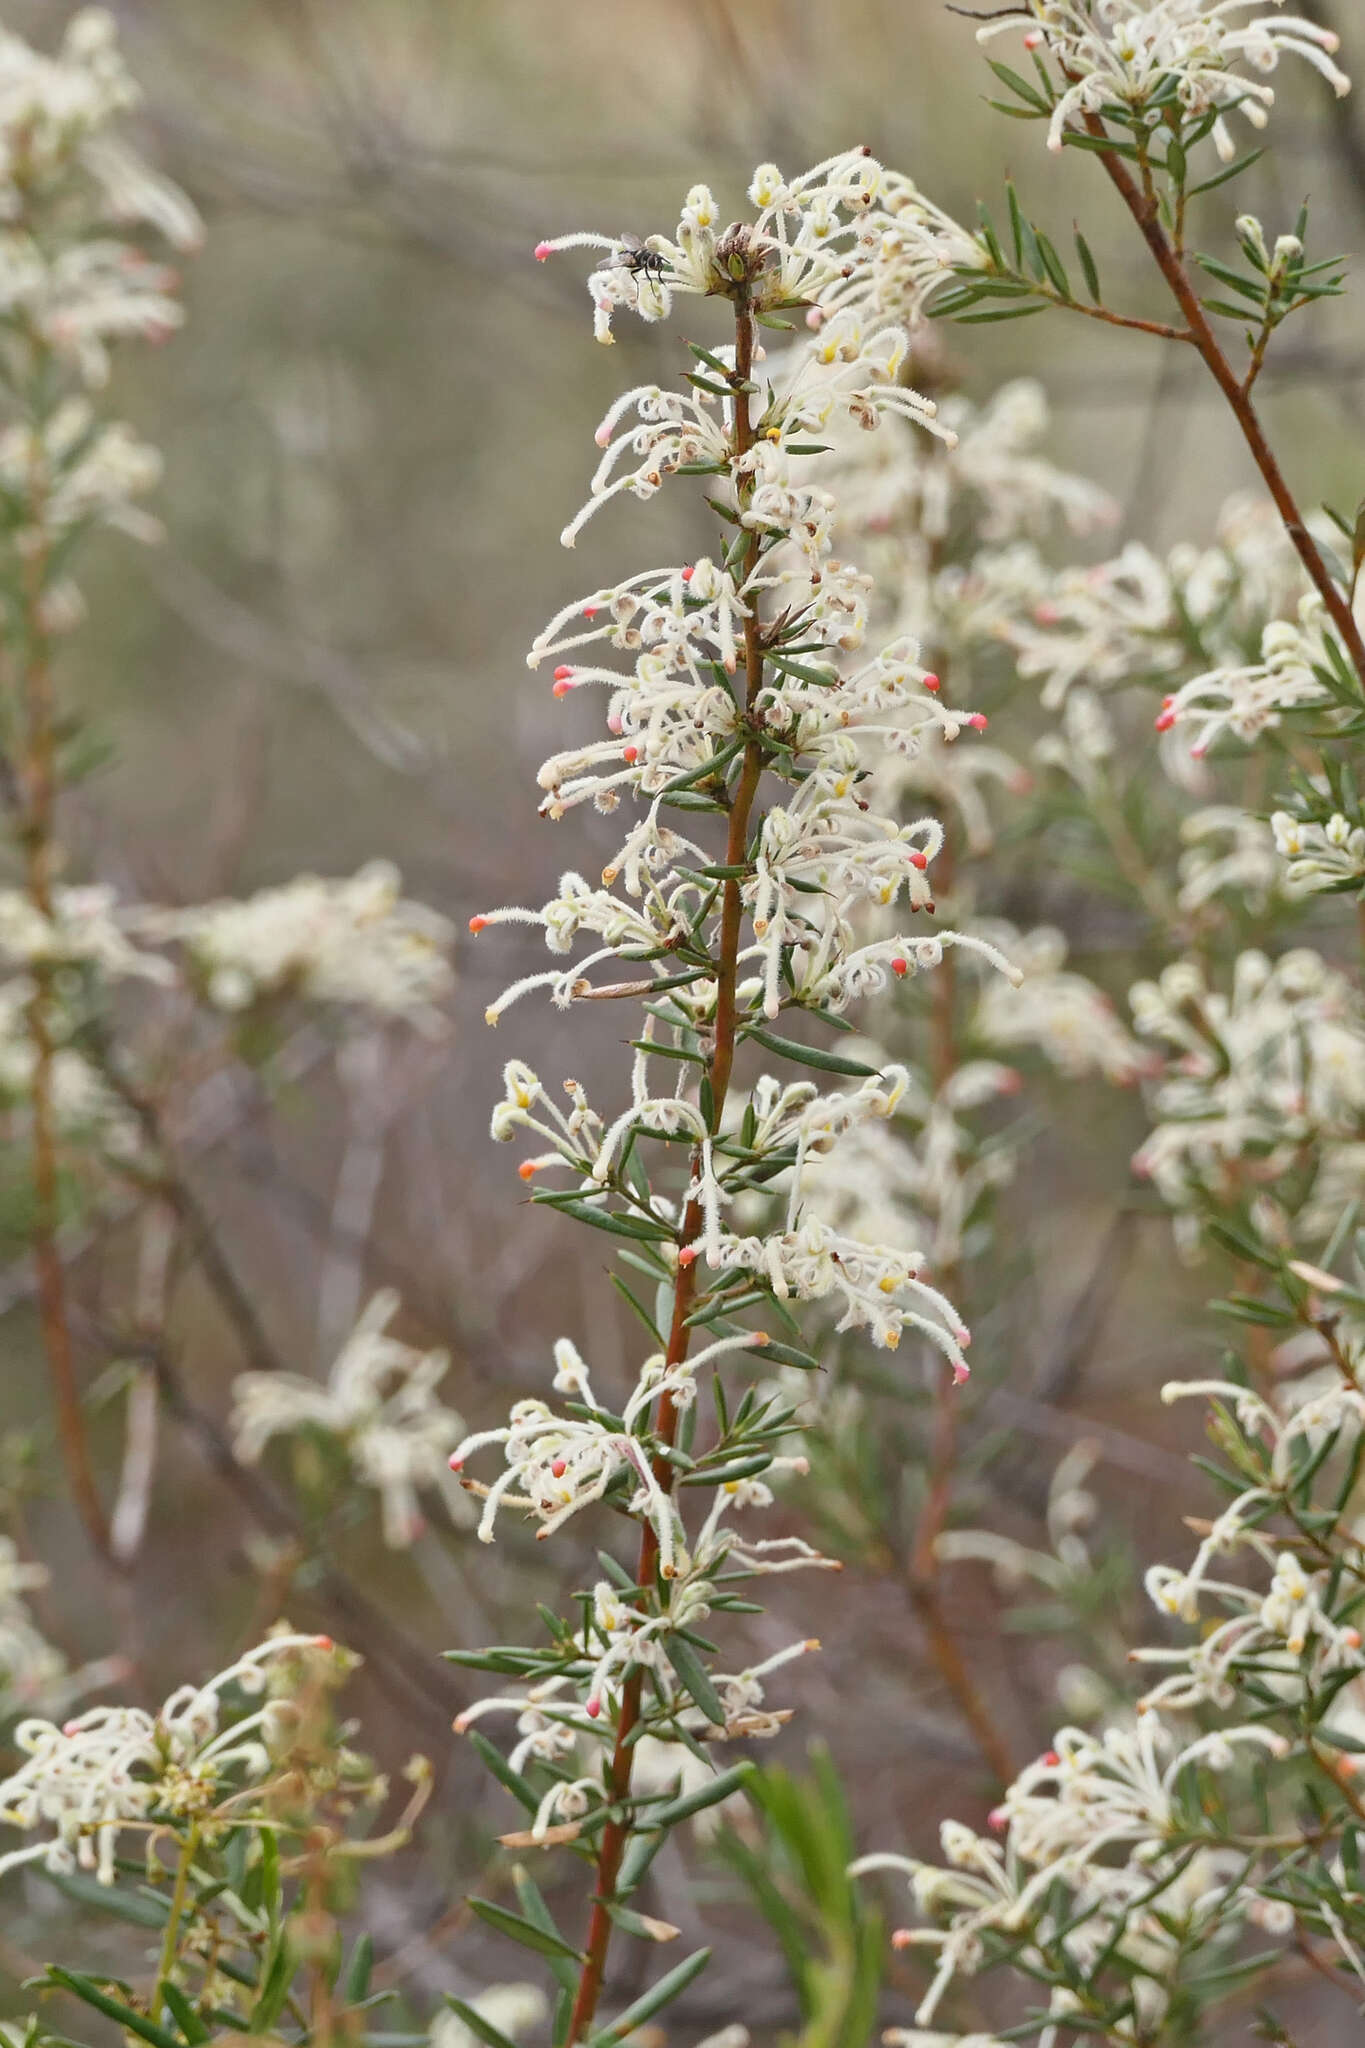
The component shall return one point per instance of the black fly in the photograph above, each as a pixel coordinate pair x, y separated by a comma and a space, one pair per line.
638, 260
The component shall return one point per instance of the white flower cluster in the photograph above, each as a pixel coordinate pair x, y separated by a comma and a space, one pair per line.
1247, 699
1058, 1012
1091, 1866
380, 1403
357, 943
1252, 1079
1139, 57
842, 238
1139, 617
60, 165
85, 930
1319, 856
924, 1170
117, 1768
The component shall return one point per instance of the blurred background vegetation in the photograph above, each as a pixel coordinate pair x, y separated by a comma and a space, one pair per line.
375, 423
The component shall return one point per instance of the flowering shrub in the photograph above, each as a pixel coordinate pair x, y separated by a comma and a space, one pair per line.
810, 1140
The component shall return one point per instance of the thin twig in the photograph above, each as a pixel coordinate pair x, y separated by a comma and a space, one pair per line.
1144, 208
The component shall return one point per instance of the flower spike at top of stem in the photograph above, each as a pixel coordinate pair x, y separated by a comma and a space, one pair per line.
739, 731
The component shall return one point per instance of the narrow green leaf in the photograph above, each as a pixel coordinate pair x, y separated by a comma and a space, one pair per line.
722, 1786
654, 2000
482, 2029
497, 1765
183, 2013
692, 1675
809, 1055
1088, 266
113, 2009
542, 1940
355, 1982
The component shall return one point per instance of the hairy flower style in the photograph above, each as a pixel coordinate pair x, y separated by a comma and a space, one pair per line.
1194, 54
112, 1769
380, 1403
357, 943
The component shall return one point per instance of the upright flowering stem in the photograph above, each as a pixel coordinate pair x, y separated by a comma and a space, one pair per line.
616, 1833
38, 781
1141, 201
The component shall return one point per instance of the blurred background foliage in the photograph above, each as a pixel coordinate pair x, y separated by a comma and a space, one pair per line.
375, 423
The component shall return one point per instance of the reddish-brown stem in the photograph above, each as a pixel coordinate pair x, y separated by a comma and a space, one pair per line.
617, 1832
1145, 211
39, 784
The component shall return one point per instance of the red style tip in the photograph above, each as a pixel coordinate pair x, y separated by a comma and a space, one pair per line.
932, 684
561, 689
590, 611
688, 1255
1164, 720
1050, 1758
688, 573
563, 672
919, 860
997, 1820
544, 249
559, 1468
594, 1709
900, 966
455, 1464
630, 754
978, 721
323, 1643
477, 924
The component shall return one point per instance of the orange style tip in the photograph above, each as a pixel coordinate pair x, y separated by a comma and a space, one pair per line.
460, 1723
812, 1643
561, 689
760, 1338
901, 1938
527, 1170
688, 1255
630, 754
477, 924
323, 1643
